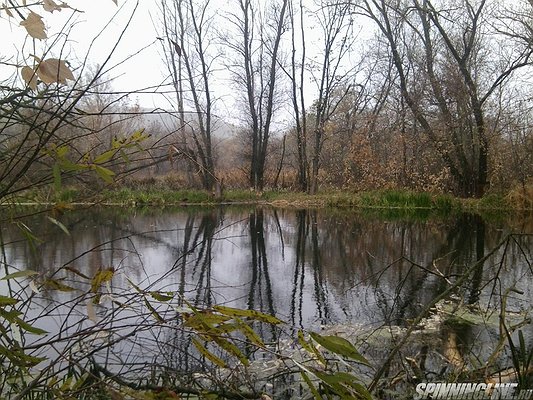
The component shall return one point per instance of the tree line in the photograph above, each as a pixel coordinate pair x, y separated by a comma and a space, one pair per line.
365, 94
429, 95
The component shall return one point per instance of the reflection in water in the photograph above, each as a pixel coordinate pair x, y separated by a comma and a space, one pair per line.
308, 267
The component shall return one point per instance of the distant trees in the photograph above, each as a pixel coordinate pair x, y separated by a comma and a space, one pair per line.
411, 93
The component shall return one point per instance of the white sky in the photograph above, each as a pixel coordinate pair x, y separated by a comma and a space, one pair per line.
141, 70
139, 47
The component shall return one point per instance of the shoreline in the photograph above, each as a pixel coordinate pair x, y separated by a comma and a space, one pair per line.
365, 200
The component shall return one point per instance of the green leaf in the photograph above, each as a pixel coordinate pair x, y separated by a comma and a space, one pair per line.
162, 297
335, 383
69, 166
59, 224
104, 173
81, 380
75, 271
154, 312
339, 346
362, 391
124, 156
311, 349
202, 320
30, 328
62, 151
30, 237
105, 157
207, 354
10, 316
66, 384
7, 301
137, 288
56, 172
253, 314
312, 387
18, 358
344, 385
19, 274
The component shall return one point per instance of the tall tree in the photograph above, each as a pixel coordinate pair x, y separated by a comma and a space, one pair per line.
256, 71
446, 77
297, 78
188, 27
335, 23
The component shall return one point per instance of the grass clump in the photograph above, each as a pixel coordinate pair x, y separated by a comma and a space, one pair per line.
142, 197
407, 200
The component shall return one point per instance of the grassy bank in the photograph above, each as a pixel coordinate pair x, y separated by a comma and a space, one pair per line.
383, 199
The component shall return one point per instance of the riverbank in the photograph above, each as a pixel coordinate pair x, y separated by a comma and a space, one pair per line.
382, 199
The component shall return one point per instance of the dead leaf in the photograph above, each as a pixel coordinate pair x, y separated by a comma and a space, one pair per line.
54, 70
51, 6
176, 47
91, 312
7, 10
34, 26
29, 76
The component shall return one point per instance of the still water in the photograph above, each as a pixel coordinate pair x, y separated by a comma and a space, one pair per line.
314, 269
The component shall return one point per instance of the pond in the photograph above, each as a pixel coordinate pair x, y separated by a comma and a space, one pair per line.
334, 271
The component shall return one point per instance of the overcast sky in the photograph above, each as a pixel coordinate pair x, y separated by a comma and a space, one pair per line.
138, 46
137, 60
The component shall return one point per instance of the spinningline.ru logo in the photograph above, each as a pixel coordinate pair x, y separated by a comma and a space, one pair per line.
474, 391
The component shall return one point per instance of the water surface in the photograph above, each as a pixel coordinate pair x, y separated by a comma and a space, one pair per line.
314, 269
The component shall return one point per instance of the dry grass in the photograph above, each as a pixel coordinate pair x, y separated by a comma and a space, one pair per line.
521, 197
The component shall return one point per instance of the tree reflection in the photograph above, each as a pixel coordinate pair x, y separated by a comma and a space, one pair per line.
260, 292
321, 290
299, 269
307, 266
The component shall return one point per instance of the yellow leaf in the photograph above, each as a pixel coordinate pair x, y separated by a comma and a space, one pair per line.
29, 76
210, 356
34, 26
54, 70
104, 173
101, 277
57, 285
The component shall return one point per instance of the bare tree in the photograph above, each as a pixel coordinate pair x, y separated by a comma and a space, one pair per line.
188, 26
450, 100
256, 72
334, 20
297, 77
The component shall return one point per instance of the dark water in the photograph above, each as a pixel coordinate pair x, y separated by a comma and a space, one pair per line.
311, 268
